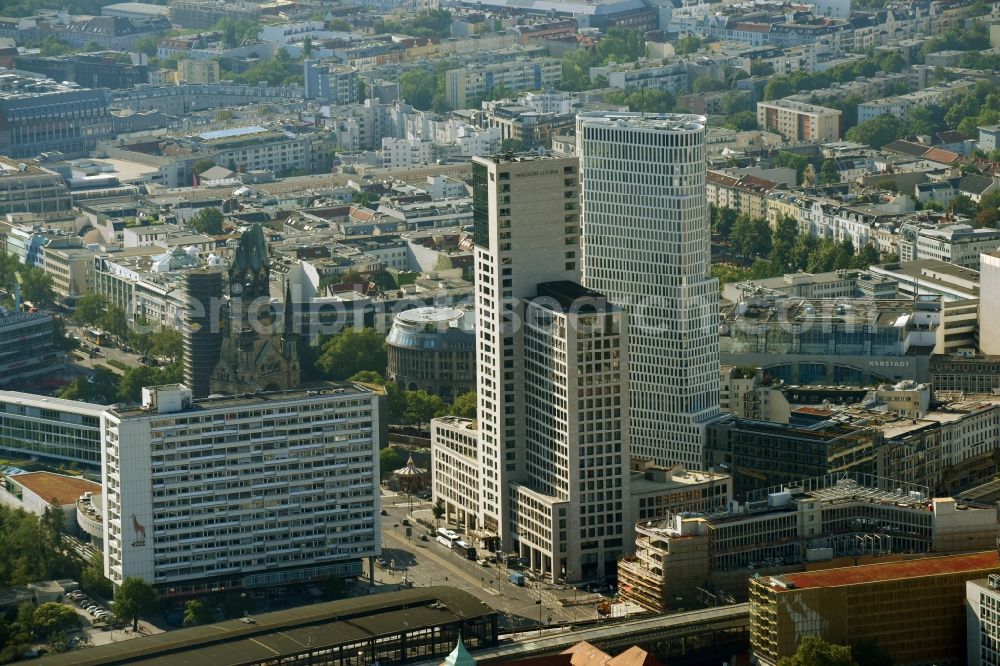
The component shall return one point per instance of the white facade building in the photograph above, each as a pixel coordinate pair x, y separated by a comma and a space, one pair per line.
404, 153
232, 492
646, 241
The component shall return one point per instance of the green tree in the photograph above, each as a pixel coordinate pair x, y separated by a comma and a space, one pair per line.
133, 598
962, 205
621, 45
722, 220
705, 83
389, 460
783, 238
396, 400
51, 618
751, 237
777, 88
417, 87
92, 577
576, 69
367, 377
147, 45
114, 321
60, 338
9, 267
134, 379
89, 309
687, 44
761, 68
828, 172
36, 287
814, 651
805, 246
203, 165
464, 406
649, 101
207, 221
307, 46
166, 343
196, 612
878, 131
735, 102
350, 351
438, 511
100, 388
741, 121
421, 407
867, 256
236, 31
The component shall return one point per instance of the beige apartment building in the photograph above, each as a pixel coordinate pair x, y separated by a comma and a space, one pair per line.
798, 121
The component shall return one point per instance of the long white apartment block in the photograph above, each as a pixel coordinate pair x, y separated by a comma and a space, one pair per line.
241, 491
646, 247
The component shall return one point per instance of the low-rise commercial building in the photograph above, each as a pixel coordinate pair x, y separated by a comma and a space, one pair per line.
844, 283
915, 610
833, 341
434, 350
38, 492
49, 428
958, 244
238, 492
456, 472
29, 188
761, 454
931, 277
788, 529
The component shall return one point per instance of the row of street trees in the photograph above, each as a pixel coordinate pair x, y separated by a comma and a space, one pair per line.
782, 249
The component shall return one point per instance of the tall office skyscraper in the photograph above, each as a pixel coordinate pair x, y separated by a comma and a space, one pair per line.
646, 247
551, 358
526, 231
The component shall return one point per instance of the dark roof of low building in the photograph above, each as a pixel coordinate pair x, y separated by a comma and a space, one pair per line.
286, 632
974, 183
569, 294
906, 148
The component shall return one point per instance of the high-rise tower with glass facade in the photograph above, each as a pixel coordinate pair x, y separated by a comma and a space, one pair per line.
646, 247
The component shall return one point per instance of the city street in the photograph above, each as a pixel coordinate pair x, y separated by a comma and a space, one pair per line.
425, 563
106, 353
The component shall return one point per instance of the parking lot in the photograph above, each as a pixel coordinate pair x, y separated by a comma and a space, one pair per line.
98, 625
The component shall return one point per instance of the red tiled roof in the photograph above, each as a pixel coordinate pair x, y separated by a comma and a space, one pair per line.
635, 656
941, 155
869, 573
49, 486
820, 411
585, 654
